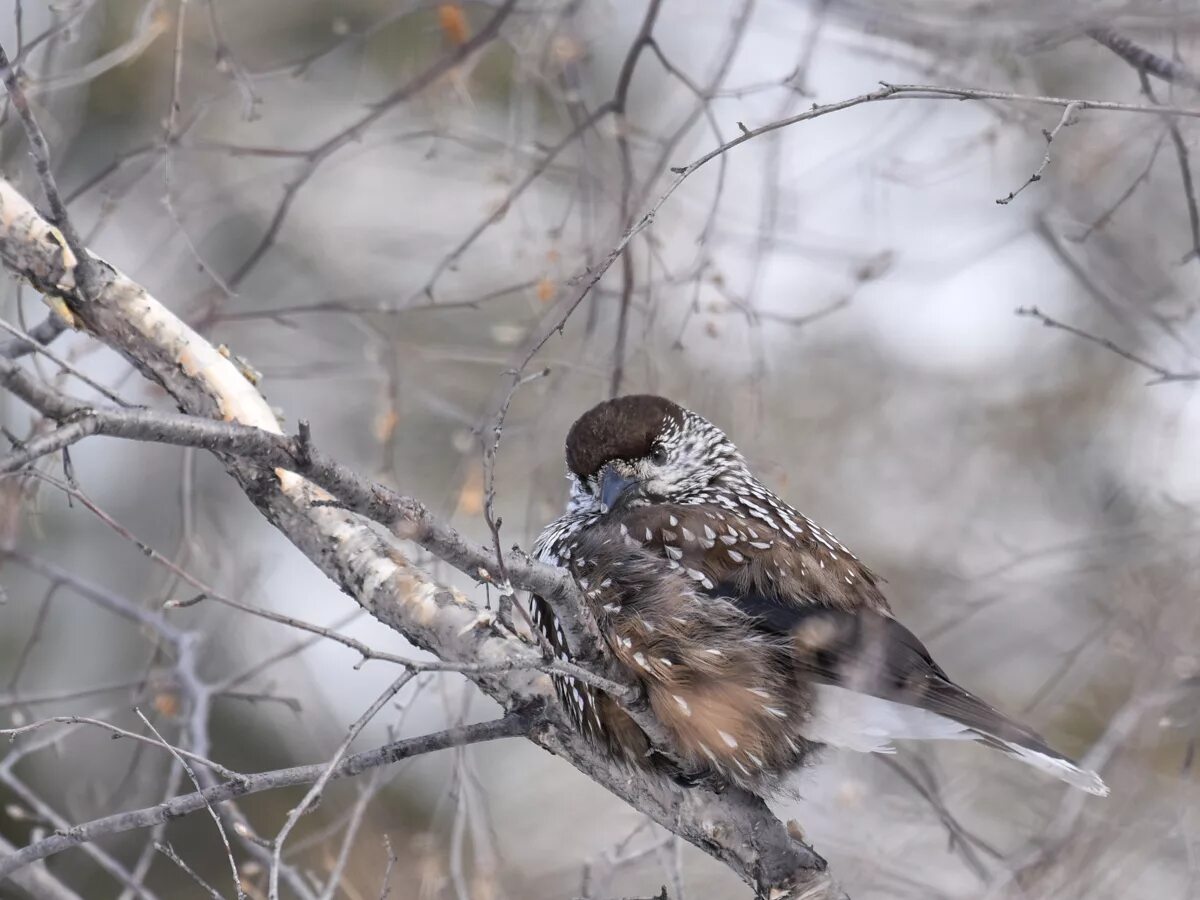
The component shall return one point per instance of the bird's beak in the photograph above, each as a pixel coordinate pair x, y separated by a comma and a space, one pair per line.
613, 486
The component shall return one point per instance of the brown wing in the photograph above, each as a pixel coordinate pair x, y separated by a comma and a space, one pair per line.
747, 556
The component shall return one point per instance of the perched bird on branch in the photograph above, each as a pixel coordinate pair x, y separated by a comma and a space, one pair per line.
753, 633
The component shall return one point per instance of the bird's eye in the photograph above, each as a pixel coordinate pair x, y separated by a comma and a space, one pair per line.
658, 455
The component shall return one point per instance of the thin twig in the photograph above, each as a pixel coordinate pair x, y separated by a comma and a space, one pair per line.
178, 754
1163, 375
1185, 170
25, 339
386, 890
311, 798
13, 733
504, 583
169, 852
512, 725
318, 155
36, 338
1142, 177
642, 40
1068, 118
40, 151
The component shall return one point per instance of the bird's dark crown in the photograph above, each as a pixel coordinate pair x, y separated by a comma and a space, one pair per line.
622, 428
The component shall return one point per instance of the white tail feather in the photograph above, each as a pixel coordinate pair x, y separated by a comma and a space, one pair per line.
1062, 769
866, 724
854, 721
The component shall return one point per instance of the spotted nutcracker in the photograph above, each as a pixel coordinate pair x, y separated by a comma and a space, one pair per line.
754, 634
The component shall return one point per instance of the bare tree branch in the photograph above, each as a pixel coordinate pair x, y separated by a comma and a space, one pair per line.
43, 333
1145, 60
734, 826
1068, 118
1163, 375
512, 725
1183, 157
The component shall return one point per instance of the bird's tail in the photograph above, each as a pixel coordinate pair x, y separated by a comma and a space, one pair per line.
869, 723
990, 726
876, 682
1041, 756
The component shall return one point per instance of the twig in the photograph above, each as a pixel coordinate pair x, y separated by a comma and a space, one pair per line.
357, 812
35, 634
924, 92
178, 754
170, 138
317, 156
314, 793
28, 340
13, 733
958, 836
168, 851
504, 584
386, 890
40, 335
150, 23
512, 725
1164, 375
1142, 177
643, 39
13, 699
226, 62
40, 151
1185, 170
1068, 118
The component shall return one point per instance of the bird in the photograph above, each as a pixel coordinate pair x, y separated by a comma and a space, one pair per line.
753, 637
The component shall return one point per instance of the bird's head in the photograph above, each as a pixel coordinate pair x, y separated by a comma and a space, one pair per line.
644, 449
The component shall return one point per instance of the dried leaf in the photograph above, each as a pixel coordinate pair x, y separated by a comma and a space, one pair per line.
166, 703
385, 425
470, 495
454, 23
